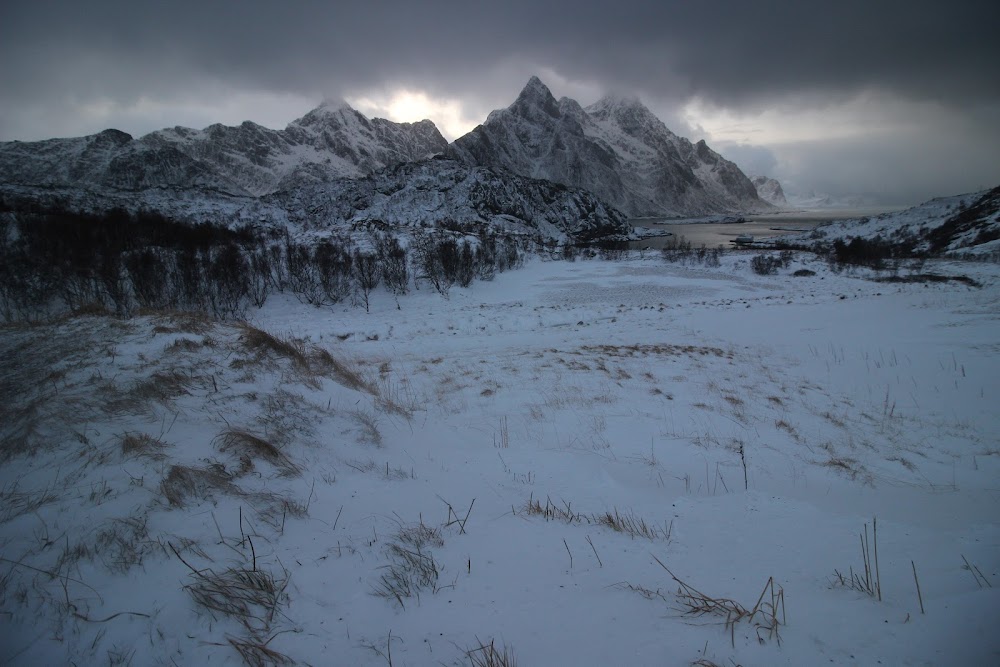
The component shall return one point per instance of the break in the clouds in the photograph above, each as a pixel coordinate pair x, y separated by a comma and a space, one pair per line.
823, 88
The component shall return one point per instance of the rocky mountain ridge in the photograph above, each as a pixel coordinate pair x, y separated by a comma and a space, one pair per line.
616, 148
428, 194
332, 141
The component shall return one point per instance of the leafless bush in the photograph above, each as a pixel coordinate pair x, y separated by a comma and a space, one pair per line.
367, 274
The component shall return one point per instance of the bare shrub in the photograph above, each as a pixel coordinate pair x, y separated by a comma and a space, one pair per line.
367, 273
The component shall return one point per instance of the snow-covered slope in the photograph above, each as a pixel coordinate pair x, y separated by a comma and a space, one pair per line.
967, 223
769, 189
443, 191
182, 492
416, 194
615, 148
332, 141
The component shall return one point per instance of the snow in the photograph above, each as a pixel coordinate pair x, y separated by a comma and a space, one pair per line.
598, 386
916, 225
616, 148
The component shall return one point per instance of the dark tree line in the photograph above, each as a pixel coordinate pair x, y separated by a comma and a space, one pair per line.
54, 261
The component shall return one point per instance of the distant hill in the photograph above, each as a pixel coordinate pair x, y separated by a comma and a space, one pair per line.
967, 224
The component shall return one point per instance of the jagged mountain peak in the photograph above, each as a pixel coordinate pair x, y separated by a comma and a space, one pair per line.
617, 148
534, 96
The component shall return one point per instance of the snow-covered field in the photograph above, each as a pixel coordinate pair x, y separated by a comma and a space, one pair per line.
518, 464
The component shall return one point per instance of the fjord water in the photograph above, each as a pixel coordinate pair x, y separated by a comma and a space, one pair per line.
712, 234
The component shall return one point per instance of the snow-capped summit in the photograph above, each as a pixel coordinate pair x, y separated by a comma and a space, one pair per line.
616, 148
331, 141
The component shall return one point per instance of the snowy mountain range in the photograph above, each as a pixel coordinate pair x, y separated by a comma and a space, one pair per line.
332, 141
544, 164
616, 148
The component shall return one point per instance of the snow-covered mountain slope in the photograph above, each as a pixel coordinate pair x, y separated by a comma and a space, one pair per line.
615, 148
437, 192
443, 191
967, 224
332, 141
769, 189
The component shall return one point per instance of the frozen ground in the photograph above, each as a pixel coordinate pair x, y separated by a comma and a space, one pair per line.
518, 464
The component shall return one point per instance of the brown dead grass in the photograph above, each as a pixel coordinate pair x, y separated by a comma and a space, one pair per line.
245, 444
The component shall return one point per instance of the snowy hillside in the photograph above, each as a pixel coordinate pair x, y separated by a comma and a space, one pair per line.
332, 141
615, 148
533, 465
445, 191
967, 223
419, 194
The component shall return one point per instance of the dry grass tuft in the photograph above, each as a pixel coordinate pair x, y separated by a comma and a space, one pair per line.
550, 511
142, 444
15, 503
257, 654
412, 568
251, 596
763, 615
246, 444
261, 343
630, 524
125, 543
627, 523
488, 655
869, 580
183, 483
369, 427
137, 397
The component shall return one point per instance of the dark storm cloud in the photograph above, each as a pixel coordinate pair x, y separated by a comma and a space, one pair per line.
56, 58
731, 53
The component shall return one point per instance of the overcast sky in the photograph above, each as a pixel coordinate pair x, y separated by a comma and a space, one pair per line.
899, 99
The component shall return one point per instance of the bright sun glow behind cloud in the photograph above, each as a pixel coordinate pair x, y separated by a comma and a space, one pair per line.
407, 106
